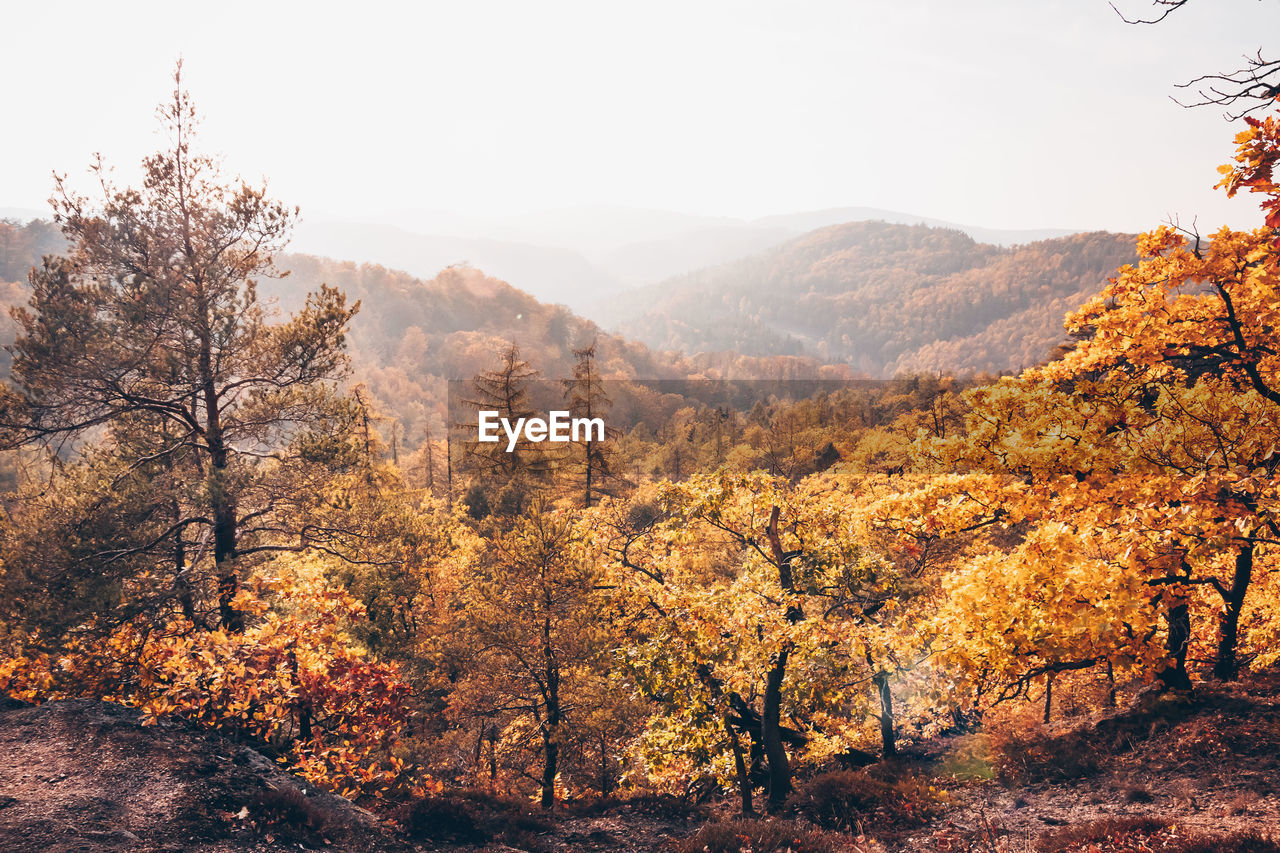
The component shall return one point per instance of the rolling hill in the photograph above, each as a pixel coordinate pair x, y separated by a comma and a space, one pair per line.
882, 298
584, 256
868, 297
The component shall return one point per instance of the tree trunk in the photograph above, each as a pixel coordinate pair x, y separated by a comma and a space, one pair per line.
493, 757
604, 766
771, 734
886, 715
551, 728
771, 714
551, 756
1227, 666
740, 766
1175, 676
221, 495
182, 581
1048, 699
224, 544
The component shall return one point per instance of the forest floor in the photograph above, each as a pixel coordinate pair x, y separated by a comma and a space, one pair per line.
87, 776
80, 775
1205, 765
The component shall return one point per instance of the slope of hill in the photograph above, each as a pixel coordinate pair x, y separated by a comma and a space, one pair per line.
875, 297
882, 298
1182, 773
81, 775
412, 335
1189, 773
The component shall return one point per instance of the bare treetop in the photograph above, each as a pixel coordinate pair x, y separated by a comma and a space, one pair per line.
1252, 87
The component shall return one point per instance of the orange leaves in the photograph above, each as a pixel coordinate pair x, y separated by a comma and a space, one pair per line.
293, 679
1257, 149
1154, 244
1142, 460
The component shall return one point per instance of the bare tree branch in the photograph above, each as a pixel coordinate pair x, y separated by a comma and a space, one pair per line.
1169, 6
1249, 89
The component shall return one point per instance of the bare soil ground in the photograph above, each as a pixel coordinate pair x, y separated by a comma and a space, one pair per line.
86, 776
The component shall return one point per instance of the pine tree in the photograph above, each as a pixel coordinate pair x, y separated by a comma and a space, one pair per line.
505, 390
150, 330
588, 399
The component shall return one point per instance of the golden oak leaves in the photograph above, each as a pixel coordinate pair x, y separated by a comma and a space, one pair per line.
1059, 597
1146, 454
709, 612
1193, 304
1187, 307
1164, 482
1257, 149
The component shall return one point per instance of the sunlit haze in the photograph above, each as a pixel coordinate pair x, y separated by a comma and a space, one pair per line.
1000, 114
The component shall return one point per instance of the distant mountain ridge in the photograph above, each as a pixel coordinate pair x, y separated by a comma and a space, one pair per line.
412, 334
813, 220
583, 257
882, 298
871, 296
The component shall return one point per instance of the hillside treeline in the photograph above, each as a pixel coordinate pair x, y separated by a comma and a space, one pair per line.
882, 298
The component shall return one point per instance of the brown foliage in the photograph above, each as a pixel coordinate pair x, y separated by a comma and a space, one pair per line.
288, 813
471, 818
1136, 834
850, 799
761, 836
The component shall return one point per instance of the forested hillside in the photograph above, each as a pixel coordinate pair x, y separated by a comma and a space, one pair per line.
878, 298
583, 257
882, 298
411, 335
849, 619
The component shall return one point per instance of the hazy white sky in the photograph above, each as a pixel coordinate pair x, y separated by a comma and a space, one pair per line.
1003, 113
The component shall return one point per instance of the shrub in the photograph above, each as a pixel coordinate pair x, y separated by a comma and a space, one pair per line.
664, 806
760, 836
1246, 842
471, 817
445, 819
290, 814
1133, 834
844, 799
1037, 759
1083, 752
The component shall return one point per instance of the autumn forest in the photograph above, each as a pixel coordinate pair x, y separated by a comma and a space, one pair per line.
806, 590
